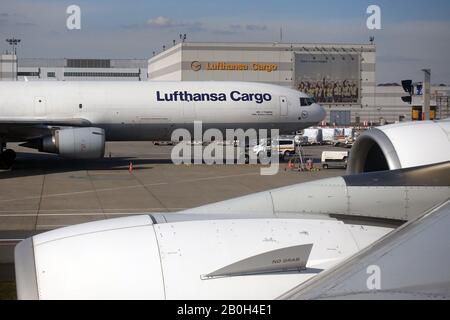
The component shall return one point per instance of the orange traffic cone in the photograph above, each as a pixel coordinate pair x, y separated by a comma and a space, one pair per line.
130, 167
290, 164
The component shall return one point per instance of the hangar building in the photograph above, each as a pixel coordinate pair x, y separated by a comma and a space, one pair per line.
340, 76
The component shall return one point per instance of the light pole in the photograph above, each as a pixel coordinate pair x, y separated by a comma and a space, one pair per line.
14, 42
426, 94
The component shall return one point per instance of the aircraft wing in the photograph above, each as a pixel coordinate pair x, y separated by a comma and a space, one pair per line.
18, 129
258, 246
409, 263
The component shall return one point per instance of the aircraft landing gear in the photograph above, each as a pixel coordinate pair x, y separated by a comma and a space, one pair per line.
7, 157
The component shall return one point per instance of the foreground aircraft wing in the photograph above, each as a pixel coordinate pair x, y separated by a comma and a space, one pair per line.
388, 196
410, 263
255, 247
25, 128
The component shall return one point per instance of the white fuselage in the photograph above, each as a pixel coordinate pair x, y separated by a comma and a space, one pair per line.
152, 110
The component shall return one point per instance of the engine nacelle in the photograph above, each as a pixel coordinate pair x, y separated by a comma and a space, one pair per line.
401, 146
138, 258
76, 143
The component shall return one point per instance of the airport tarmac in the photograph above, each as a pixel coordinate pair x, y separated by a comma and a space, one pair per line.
43, 191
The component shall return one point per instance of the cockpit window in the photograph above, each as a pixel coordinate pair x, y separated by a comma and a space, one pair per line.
306, 101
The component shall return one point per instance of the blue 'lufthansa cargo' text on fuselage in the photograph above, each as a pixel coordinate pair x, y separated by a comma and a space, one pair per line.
234, 96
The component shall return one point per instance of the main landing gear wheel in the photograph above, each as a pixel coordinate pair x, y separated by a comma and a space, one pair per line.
7, 159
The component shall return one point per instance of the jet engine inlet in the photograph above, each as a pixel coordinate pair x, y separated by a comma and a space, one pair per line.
400, 146
373, 151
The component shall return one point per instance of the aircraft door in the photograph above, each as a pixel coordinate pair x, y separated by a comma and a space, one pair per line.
40, 106
283, 107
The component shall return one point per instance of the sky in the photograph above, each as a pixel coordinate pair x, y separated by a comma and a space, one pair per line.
415, 34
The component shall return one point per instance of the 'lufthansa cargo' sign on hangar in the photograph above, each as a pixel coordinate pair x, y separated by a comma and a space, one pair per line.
226, 66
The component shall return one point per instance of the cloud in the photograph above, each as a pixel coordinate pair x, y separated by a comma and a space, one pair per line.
25, 24
234, 29
255, 27
248, 27
161, 22
392, 58
225, 32
18, 20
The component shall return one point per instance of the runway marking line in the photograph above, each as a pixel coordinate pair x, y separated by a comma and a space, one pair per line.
107, 211
79, 214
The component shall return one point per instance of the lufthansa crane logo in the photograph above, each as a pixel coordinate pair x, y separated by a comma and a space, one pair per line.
305, 114
196, 66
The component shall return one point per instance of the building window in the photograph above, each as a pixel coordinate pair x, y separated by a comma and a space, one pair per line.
101, 74
50, 74
88, 63
28, 74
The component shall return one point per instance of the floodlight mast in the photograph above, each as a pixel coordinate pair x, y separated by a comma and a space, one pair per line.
14, 42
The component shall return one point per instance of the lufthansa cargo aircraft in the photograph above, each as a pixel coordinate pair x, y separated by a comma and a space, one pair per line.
74, 119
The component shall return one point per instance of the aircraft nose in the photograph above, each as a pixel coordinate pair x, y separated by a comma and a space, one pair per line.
319, 112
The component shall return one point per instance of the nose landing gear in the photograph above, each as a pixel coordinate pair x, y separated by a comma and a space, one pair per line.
7, 157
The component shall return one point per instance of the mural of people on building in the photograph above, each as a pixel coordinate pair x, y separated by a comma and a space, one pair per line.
324, 91
327, 78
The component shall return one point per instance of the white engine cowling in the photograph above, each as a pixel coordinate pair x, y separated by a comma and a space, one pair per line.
137, 258
401, 146
76, 143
